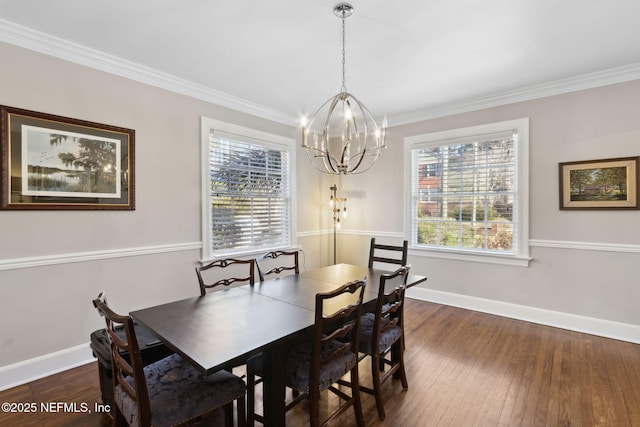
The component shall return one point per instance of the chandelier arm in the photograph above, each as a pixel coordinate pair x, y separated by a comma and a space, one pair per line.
307, 129
367, 116
315, 165
333, 162
353, 117
328, 162
325, 168
345, 148
359, 161
380, 139
332, 107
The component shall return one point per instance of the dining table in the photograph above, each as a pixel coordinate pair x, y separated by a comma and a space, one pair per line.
223, 329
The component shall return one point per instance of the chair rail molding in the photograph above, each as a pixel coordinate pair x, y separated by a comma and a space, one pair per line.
39, 261
541, 243
585, 246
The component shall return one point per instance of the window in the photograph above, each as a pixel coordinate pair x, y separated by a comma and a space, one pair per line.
248, 201
469, 192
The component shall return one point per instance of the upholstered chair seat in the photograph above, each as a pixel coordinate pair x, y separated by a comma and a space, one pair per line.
299, 363
387, 337
179, 393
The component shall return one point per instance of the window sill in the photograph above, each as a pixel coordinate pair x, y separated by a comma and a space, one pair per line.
513, 260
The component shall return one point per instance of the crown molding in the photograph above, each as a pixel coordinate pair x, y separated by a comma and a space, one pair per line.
28, 38
527, 93
60, 48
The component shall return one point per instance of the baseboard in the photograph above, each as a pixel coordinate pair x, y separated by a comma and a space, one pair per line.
53, 363
572, 322
43, 366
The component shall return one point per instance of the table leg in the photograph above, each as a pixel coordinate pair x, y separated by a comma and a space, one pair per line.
273, 393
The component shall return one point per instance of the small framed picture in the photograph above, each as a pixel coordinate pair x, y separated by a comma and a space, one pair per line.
599, 184
53, 162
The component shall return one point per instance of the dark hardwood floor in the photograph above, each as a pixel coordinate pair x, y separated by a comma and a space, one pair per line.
464, 368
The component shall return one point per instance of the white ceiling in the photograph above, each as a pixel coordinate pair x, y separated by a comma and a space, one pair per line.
280, 59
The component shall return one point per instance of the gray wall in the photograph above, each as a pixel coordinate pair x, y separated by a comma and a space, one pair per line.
140, 257
52, 264
585, 266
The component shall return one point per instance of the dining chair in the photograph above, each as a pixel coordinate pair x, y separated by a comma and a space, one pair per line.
382, 253
236, 265
382, 335
315, 366
168, 392
267, 266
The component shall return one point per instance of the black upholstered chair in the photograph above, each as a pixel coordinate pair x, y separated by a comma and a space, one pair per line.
388, 254
318, 365
234, 265
382, 335
271, 263
168, 392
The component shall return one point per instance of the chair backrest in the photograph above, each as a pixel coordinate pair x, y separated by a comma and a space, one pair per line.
267, 260
341, 326
377, 250
390, 303
249, 264
128, 375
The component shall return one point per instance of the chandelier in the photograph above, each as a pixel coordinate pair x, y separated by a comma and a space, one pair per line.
343, 137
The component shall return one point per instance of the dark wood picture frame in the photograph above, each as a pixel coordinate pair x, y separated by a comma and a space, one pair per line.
60, 163
600, 184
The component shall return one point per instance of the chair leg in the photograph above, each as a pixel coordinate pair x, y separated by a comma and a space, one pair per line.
314, 408
355, 390
228, 414
375, 376
397, 355
118, 418
242, 419
251, 398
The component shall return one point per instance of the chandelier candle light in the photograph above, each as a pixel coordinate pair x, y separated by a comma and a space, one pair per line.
343, 137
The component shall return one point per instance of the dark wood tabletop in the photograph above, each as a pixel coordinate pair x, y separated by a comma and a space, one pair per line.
222, 329
301, 289
342, 273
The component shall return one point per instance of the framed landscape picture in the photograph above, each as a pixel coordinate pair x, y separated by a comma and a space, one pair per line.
599, 184
53, 162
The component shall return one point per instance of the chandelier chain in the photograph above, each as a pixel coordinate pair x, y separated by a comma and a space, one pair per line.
344, 86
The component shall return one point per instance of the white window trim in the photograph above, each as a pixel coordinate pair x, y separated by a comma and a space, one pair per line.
277, 141
521, 254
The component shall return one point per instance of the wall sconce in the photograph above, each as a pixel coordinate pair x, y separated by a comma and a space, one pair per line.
338, 205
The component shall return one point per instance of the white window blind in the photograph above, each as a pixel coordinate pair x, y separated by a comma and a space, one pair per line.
468, 190
250, 194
